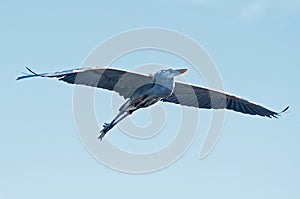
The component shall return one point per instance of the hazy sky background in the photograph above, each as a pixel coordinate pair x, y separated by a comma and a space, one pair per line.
255, 45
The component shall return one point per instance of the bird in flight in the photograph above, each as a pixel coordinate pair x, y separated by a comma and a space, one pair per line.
141, 91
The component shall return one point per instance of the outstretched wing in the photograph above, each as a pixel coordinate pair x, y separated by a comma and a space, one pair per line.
200, 97
120, 81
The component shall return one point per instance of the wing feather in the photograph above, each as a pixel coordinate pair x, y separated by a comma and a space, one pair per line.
201, 97
120, 81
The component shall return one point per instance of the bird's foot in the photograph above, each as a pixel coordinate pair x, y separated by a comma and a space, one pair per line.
106, 125
106, 128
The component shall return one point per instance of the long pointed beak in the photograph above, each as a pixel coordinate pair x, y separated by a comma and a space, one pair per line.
180, 71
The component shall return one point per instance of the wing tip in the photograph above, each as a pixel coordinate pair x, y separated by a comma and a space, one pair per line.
284, 110
26, 75
277, 115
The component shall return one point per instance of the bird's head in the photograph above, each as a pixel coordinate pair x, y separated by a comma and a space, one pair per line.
169, 73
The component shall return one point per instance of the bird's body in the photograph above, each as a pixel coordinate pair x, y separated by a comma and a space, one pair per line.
141, 91
149, 94
161, 87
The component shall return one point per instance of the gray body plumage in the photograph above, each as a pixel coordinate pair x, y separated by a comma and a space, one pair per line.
162, 87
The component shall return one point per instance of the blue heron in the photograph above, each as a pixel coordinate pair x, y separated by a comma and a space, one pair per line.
141, 91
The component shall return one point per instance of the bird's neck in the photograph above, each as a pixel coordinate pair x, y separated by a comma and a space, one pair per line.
166, 82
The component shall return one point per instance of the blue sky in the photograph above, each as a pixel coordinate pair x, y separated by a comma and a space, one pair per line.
255, 45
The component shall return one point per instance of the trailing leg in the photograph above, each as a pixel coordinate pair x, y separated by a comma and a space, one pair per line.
108, 126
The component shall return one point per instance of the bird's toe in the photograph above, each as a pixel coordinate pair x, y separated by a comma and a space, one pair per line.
102, 134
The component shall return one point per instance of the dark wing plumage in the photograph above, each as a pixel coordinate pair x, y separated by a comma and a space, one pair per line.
121, 81
200, 97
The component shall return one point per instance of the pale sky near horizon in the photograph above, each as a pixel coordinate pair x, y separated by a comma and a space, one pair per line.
255, 46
